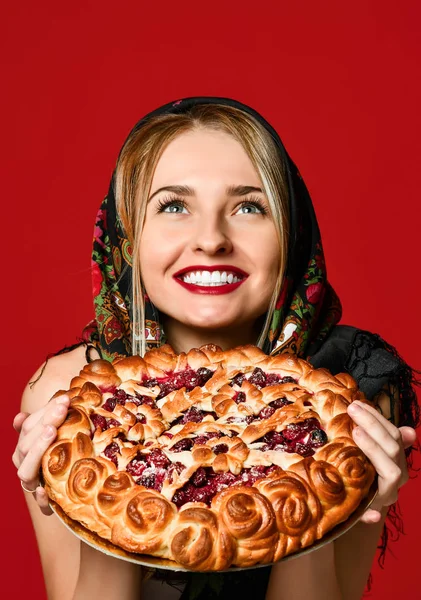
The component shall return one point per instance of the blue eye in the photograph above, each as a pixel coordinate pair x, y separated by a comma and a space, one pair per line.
170, 204
257, 207
252, 209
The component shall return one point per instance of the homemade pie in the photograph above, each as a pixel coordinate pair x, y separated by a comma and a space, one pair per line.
210, 459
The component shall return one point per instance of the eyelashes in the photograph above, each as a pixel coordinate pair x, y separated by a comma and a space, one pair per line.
169, 201
174, 201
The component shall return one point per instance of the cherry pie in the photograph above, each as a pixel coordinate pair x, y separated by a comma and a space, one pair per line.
210, 459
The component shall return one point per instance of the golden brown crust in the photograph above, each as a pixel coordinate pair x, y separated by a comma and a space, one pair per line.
291, 507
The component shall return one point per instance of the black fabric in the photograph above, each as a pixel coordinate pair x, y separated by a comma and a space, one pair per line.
308, 300
373, 363
307, 307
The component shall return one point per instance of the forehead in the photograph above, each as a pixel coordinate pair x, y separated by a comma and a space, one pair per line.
205, 154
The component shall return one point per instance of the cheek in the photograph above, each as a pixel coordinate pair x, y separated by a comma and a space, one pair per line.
268, 255
157, 254
150, 255
153, 246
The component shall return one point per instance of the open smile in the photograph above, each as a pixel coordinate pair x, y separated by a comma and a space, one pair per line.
219, 279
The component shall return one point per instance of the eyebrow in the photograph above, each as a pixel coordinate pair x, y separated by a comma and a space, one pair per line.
185, 190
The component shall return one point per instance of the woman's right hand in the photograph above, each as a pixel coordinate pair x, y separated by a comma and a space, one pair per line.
37, 431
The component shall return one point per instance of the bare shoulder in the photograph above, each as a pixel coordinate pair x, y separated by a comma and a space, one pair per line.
52, 376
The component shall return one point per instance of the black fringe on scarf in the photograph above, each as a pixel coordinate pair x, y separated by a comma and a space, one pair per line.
403, 379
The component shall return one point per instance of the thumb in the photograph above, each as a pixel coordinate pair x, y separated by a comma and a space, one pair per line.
409, 436
18, 420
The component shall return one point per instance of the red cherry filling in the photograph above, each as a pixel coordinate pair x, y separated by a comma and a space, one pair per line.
192, 415
220, 449
103, 423
261, 379
158, 459
149, 470
153, 478
137, 465
205, 483
204, 437
248, 419
176, 467
318, 438
238, 379
187, 443
139, 400
279, 402
294, 431
239, 397
258, 378
121, 397
199, 478
111, 452
110, 404
268, 411
182, 445
175, 381
301, 438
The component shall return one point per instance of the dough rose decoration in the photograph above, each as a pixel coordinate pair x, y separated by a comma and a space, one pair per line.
208, 458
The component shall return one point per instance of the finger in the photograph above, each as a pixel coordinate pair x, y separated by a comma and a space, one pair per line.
369, 410
29, 468
42, 500
378, 431
371, 516
37, 416
18, 420
54, 415
409, 436
391, 476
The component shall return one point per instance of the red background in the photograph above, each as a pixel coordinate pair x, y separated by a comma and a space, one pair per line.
339, 81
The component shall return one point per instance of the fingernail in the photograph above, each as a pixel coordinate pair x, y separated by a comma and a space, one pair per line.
355, 408
62, 399
48, 432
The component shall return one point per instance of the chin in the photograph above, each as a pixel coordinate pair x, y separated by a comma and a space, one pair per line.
214, 320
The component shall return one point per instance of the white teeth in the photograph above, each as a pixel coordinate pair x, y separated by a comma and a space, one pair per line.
207, 278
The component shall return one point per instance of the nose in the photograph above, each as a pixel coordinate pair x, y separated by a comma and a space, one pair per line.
211, 237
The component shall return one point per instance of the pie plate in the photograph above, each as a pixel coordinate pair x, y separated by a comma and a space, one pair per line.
94, 540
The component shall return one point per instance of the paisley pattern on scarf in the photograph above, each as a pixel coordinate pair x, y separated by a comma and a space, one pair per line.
306, 313
307, 308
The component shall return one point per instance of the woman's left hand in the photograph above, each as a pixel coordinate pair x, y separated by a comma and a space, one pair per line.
384, 445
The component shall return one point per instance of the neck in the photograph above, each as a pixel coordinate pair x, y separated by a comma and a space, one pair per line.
182, 337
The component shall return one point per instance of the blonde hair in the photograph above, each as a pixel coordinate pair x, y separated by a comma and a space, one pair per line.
136, 166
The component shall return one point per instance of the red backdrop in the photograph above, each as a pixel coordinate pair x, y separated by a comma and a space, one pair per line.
339, 81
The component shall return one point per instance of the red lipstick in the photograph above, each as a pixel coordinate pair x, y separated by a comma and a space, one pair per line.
211, 290
212, 268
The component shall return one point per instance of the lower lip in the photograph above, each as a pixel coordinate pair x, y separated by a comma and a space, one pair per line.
211, 290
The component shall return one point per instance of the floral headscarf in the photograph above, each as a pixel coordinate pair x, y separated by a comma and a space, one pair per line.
307, 307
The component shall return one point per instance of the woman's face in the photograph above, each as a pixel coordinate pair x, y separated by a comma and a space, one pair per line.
210, 255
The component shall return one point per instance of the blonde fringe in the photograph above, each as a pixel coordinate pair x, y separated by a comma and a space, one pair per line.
134, 173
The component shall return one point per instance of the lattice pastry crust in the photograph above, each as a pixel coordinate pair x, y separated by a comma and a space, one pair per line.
211, 459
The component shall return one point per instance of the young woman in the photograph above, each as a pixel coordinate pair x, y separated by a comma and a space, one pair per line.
203, 195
